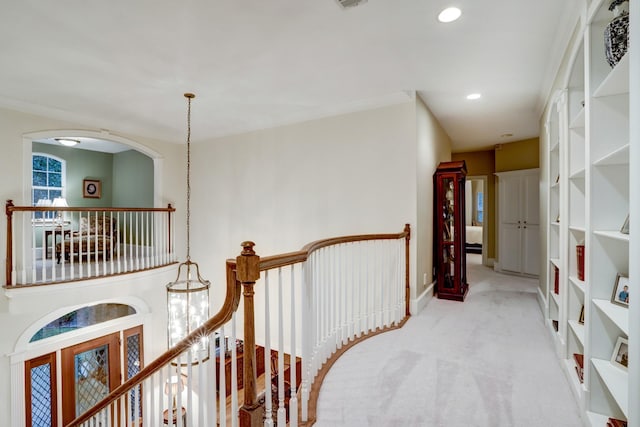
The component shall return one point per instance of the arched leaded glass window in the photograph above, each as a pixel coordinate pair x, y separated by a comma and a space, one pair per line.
83, 317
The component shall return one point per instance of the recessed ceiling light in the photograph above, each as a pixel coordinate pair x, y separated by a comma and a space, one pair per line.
68, 142
450, 14
474, 96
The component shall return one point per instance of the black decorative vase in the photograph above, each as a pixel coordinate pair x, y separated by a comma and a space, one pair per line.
616, 34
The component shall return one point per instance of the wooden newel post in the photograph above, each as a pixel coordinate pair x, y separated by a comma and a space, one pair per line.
248, 271
9, 264
407, 238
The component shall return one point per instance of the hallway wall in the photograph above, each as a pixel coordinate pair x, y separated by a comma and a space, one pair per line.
287, 186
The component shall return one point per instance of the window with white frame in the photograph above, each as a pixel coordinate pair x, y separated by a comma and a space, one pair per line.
47, 181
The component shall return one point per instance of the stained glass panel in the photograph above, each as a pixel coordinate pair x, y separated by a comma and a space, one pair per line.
91, 377
83, 317
41, 396
133, 367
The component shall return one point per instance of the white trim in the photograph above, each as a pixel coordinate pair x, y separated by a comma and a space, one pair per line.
24, 350
29, 137
103, 134
542, 302
420, 302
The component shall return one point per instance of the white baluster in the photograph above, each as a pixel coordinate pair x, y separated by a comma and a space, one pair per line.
34, 251
306, 335
335, 302
133, 229
203, 395
380, 281
189, 408
137, 241
223, 377
268, 407
212, 397
148, 408
344, 303
282, 413
178, 372
234, 372
112, 230
293, 362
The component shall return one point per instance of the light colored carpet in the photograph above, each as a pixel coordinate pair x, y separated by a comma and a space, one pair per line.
488, 361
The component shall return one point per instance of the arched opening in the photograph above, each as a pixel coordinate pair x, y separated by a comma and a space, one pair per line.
125, 171
66, 361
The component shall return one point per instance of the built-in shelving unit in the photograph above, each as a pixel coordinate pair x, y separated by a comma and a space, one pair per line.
588, 162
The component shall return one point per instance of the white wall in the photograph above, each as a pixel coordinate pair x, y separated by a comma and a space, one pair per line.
288, 186
365, 172
434, 146
18, 311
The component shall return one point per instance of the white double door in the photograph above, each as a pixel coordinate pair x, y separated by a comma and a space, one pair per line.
519, 222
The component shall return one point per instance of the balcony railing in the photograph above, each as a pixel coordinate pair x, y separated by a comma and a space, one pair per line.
300, 312
51, 244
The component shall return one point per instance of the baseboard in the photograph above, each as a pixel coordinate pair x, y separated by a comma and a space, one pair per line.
420, 302
542, 302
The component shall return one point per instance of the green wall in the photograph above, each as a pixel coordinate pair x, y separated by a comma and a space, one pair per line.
83, 164
127, 177
132, 180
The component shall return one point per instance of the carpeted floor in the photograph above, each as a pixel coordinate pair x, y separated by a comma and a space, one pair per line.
486, 362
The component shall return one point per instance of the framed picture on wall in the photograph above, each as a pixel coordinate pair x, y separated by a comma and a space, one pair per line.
620, 356
621, 291
91, 188
625, 226
581, 318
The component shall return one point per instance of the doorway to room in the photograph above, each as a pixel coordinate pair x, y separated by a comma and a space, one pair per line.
476, 219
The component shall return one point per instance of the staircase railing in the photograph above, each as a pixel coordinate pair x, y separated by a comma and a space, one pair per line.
59, 244
301, 311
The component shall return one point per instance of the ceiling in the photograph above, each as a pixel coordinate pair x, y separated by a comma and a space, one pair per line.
123, 66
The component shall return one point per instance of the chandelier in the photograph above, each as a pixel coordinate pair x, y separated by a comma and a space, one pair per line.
188, 297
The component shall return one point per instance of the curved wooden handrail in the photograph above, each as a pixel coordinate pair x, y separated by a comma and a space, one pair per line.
283, 260
230, 305
85, 209
248, 275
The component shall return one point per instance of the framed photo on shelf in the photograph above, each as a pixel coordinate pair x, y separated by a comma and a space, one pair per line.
581, 318
620, 356
621, 291
91, 188
625, 226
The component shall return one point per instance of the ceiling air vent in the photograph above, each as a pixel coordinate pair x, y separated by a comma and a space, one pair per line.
350, 3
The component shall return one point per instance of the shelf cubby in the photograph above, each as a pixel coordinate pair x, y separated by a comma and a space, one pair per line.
593, 159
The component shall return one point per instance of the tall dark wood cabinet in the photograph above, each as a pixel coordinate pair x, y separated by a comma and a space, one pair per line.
450, 261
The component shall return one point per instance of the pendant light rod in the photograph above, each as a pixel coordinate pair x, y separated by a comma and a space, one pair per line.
189, 97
